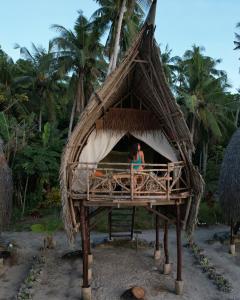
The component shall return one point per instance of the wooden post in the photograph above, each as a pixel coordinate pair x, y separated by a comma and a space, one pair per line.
179, 282
90, 257
86, 290
157, 254
232, 242
133, 222
110, 225
167, 265
132, 183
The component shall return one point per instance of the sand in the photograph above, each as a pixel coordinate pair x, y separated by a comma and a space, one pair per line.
117, 269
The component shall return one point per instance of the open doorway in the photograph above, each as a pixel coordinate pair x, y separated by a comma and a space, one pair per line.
120, 152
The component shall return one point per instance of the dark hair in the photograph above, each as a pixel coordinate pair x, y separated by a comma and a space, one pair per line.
133, 151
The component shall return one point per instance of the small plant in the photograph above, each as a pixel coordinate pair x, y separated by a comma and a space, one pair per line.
222, 283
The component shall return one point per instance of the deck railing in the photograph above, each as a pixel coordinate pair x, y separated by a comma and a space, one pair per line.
121, 181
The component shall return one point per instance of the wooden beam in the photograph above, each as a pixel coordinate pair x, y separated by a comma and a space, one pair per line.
154, 211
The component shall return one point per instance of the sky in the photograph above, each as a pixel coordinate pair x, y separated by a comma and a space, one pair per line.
180, 24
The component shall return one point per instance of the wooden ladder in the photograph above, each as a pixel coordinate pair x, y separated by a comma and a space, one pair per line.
121, 222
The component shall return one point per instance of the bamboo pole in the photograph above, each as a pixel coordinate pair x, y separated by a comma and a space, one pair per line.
84, 246
165, 242
179, 246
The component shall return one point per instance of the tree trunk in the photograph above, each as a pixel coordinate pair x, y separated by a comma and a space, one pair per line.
40, 121
80, 94
193, 127
24, 197
6, 190
72, 117
114, 56
205, 159
237, 117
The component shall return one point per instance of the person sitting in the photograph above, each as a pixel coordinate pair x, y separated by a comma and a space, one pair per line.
136, 157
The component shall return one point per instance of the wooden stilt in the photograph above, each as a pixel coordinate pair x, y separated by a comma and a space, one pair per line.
167, 265
157, 254
84, 234
133, 222
231, 233
88, 229
165, 241
232, 242
110, 225
179, 282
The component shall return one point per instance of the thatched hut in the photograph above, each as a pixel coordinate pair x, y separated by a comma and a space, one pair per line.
229, 185
135, 102
6, 190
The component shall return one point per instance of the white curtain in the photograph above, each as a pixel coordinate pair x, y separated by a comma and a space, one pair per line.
100, 143
98, 146
158, 142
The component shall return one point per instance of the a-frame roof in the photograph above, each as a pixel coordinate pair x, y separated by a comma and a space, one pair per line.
141, 70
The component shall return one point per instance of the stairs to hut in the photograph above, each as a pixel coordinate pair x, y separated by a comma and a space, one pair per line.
121, 223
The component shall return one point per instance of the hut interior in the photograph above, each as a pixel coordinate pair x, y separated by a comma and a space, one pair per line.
134, 104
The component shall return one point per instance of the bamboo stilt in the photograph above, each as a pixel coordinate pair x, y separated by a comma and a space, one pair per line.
157, 253
179, 282
84, 246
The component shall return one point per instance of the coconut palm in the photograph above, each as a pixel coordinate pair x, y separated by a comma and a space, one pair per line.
80, 53
121, 20
203, 95
11, 93
237, 39
169, 64
42, 77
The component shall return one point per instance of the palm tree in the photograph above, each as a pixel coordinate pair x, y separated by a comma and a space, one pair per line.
44, 80
80, 53
203, 95
122, 20
237, 37
169, 64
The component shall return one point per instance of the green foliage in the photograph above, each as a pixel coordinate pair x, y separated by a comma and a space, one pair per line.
48, 226
210, 215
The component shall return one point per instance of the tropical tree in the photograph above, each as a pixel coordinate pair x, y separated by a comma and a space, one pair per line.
169, 64
121, 20
43, 79
203, 94
80, 54
6, 190
237, 39
11, 94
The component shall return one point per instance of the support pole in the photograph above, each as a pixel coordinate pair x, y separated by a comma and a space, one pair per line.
133, 222
167, 265
110, 225
86, 289
232, 242
179, 282
90, 257
157, 253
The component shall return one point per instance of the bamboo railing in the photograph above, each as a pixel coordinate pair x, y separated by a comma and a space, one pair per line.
121, 181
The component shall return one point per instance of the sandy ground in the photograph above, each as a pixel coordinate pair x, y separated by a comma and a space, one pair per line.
117, 269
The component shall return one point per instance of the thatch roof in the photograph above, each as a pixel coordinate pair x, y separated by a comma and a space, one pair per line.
6, 190
142, 70
229, 181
